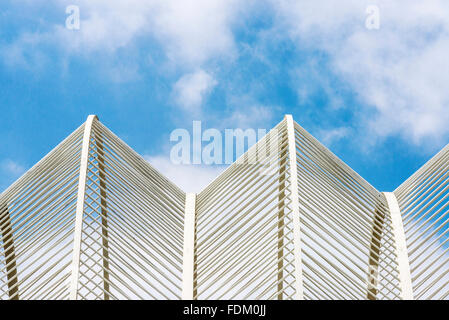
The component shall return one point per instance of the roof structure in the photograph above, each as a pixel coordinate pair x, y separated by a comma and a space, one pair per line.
94, 220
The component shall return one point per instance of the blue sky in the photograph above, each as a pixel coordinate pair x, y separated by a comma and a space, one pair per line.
377, 98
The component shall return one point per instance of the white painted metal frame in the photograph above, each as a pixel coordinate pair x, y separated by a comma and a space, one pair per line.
80, 207
295, 206
188, 269
340, 239
132, 234
41, 207
423, 202
405, 279
92, 220
10, 259
244, 228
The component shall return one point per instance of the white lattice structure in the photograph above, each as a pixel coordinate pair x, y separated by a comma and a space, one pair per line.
288, 220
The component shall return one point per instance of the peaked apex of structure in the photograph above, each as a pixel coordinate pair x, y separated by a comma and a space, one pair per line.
91, 118
82, 136
94, 220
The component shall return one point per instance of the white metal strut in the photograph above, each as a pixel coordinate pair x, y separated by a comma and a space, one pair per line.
405, 279
80, 207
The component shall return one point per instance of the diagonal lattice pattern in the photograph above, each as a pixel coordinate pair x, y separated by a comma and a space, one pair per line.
287, 220
244, 246
37, 217
345, 227
131, 243
424, 204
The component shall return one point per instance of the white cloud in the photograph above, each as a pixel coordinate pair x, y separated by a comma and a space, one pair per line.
9, 171
11, 168
190, 178
253, 116
191, 90
400, 72
328, 137
19, 53
196, 30
190, 32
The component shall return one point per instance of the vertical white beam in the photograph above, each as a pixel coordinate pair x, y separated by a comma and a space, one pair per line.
374, 253
188, 265
405, 278
104, 213
9, 252
295, 206
281, 216
80, 207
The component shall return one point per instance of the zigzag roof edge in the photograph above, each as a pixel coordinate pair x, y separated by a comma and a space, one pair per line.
17, 183
325, 149
424, 167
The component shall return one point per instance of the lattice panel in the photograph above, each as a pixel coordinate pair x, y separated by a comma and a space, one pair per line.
132, 226
424, 203
244, 246
345, 228
287, 220
36, 222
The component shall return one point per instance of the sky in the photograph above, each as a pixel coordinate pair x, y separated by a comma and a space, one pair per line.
377, 97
